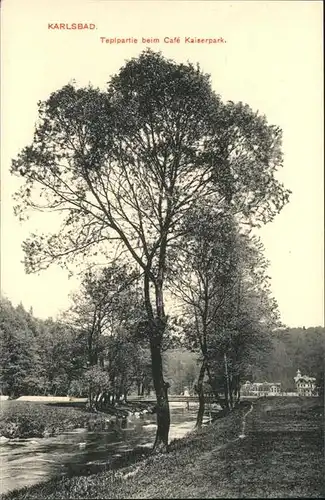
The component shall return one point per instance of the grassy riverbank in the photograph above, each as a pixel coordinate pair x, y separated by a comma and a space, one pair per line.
280, 457
21, 419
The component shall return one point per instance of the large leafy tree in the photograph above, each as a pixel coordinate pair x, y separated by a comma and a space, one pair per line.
123, 166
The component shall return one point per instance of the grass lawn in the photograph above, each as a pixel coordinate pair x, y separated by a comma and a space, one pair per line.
280, 457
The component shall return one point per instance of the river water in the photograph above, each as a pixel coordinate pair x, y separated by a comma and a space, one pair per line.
24, 462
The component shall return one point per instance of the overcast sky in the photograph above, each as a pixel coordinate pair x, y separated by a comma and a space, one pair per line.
272, 60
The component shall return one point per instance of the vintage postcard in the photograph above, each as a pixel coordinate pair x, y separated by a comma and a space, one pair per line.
162, 246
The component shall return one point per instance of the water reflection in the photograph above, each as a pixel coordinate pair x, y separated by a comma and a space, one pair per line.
25, 462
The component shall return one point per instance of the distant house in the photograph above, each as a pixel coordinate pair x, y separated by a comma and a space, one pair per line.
306, 386
274, 388
261, 388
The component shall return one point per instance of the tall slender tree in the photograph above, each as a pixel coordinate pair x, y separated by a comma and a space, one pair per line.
224, 286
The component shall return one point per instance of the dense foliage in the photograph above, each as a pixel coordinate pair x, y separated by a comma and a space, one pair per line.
46, 357
36, 355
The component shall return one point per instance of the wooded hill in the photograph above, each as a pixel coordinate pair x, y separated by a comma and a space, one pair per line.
36, 357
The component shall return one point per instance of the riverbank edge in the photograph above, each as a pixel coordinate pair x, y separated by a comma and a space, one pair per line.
112, 481
25, 420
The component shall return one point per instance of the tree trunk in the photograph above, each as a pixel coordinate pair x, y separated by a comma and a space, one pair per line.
231, 400
226, 383
156, 328
214, 387
90, 397
231, 392
238, 394
100, 401
200, 392
161, 388
237, 389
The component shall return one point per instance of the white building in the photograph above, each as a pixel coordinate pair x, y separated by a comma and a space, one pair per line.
306, 386
261, 388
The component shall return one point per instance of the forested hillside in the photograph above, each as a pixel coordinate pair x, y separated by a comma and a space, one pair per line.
292, 349
50, 357
42, 357
36, 355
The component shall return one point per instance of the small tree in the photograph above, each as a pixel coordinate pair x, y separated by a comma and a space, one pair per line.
106, 300
106, 311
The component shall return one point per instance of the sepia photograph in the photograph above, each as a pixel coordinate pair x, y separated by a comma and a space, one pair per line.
162, 249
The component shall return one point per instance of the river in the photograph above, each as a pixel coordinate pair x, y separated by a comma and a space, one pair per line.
25, 462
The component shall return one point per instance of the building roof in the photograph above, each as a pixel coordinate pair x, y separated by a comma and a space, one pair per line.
305, 378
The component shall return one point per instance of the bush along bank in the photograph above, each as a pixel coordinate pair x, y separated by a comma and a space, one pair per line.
127, 409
